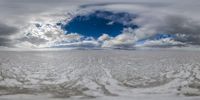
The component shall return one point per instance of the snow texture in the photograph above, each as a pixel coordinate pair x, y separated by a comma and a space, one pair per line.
100, 75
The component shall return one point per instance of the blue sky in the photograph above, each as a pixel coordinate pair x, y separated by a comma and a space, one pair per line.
97, 23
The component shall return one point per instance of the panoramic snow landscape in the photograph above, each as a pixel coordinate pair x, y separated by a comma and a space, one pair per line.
99, 50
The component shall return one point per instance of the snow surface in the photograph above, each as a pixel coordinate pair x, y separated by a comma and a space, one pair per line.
100, 75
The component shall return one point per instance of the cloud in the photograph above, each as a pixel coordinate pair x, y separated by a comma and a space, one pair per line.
124, 40
186, 29
80, 44
20, 12
164, 43
6, 30
4, 42
104, 37
155, 16
34, 40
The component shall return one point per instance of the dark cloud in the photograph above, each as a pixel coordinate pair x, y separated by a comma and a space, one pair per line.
6, 30
187, 30
5, 42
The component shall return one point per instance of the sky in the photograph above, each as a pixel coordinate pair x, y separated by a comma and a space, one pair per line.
179, 17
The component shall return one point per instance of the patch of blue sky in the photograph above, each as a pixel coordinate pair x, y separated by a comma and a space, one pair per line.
99, 22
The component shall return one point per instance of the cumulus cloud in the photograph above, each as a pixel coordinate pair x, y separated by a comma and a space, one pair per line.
104, 37
125, 40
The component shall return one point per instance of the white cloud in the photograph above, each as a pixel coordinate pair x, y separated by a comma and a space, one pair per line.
104, 37
121, 41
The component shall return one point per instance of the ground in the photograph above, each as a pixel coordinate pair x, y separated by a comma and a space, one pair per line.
100, 75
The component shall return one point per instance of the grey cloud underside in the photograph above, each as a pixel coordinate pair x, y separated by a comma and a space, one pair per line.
5, 32
33, 40
4, 41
